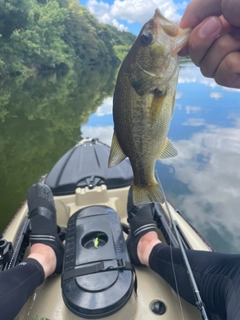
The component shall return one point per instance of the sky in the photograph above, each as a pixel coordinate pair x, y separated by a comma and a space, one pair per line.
130, 15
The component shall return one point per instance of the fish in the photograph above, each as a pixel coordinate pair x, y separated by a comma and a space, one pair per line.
143, 104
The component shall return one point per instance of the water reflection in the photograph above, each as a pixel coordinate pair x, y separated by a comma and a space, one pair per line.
208, 165
40, 118
206, 132
204, 180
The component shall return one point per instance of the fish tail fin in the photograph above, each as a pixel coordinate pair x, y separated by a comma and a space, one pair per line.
142, 195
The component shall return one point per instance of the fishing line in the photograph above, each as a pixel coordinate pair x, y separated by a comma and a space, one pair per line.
175, 279
196, 292
171, 247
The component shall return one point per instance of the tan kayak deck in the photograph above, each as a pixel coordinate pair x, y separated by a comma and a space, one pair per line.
47, 302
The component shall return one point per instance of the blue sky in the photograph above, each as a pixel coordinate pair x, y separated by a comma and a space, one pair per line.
130, 15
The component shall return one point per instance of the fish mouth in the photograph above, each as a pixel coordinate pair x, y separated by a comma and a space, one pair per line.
156, 18
169, 27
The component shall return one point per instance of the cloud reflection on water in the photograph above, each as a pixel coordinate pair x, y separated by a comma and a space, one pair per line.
105, 108
208, 164
192, 109
194, 122
216, 95
102, 133
204, 179
191, 74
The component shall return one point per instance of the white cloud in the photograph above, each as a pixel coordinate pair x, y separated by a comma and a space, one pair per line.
192, 109
194, 122
213, 201
189, 73
118, 25
235, 116
231, 89
101, 10
105, 108
178, 95
215, 95
141, 10
178, 106
133, 11
104, 134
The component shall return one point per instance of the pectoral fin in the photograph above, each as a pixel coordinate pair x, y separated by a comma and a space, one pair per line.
168, 150
116, 153
173, 102
157, 104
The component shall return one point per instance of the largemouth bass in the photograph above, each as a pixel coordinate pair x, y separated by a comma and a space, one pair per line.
143, 104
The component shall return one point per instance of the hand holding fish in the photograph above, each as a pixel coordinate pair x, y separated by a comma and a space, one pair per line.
214, 43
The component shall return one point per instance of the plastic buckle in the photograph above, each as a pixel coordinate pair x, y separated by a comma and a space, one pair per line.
5, 251
121, 264
113, 265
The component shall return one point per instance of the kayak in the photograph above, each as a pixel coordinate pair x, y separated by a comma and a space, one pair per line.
98, 281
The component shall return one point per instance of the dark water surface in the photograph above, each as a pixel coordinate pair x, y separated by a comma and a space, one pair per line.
43, 117
40, 119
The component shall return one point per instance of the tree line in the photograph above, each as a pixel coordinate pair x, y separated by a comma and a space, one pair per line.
38, 35
40, 119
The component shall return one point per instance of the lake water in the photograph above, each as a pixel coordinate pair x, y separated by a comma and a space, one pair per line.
43, 117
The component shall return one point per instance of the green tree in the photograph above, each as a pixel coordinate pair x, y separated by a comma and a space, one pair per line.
44, 118
55, 34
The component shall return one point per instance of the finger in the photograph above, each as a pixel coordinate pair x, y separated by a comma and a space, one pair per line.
198, 45
183, 52
221, 48
231, 11
226, 25
228, 73
202, 38
198, 10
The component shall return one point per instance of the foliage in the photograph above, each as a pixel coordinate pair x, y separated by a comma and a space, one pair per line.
55, 34
43, 120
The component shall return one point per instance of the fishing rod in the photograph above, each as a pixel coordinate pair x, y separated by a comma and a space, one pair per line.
198, 299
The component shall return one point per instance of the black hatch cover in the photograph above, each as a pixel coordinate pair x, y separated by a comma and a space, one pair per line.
86, 165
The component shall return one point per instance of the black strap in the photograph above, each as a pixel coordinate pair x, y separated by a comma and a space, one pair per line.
101, 266
42, 211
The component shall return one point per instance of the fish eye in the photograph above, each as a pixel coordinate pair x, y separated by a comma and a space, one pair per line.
146, 38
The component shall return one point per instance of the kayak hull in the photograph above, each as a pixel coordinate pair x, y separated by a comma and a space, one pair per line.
47, 300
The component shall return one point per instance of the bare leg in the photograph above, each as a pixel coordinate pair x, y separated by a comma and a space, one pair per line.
45, 258
145, 246
217, 275
45, 255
